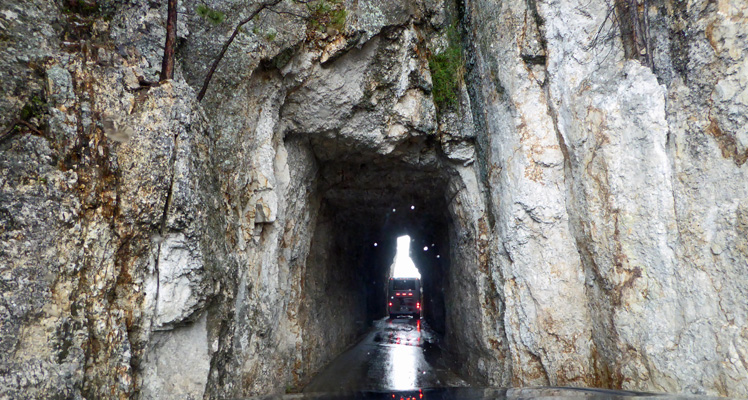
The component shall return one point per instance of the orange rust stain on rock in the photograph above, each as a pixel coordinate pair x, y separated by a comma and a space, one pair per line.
709, 31
727, 143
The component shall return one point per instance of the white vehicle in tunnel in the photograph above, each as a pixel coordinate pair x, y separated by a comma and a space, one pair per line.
404, 297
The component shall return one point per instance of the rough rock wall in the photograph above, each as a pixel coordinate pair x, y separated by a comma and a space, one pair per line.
111, 217
614, 130
135, 228
471, 295
636, 184
114, 250
633, 189
706, 111
537, 269
332, 315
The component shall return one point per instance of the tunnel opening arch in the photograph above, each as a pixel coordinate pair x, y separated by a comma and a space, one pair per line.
370, 213
378, 150
365, 203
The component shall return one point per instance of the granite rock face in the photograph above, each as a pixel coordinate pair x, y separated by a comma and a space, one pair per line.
109, 214
546, 321
637, 163
583, 211
632, 193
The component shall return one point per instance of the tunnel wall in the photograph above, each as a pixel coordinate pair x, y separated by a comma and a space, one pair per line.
334, 287
434, 266
472, 296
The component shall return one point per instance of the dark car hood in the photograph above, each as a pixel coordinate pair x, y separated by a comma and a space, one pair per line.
465, 393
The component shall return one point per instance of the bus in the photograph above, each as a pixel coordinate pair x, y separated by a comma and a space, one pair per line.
404, 297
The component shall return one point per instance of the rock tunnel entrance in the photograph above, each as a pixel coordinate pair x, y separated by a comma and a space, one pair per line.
367, 199
365, 207
363, 142
153, 244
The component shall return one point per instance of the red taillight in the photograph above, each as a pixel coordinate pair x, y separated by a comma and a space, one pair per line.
390, 304
397, 294
418, 306
410, 294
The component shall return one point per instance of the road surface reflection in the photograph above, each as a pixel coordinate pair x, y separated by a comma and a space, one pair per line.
404, 357
398, 355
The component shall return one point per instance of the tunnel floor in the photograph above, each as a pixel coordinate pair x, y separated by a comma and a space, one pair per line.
396, 355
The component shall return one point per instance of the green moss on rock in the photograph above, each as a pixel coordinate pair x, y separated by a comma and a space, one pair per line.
215, 17
447, 69
327, 14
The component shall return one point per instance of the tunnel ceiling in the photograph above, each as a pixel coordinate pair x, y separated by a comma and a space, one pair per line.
366, 189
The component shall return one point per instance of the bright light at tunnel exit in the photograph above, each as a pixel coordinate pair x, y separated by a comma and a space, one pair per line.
404, 266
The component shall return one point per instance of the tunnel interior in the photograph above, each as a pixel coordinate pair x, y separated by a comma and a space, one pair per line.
366, 204
367, 123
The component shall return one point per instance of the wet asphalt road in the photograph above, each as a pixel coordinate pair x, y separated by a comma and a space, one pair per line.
399, 355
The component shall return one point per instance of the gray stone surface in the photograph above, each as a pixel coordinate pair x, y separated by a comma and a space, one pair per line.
623, 132
545, 324
624, 139
177, 363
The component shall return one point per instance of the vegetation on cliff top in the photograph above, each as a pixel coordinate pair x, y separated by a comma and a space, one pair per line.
447, 68
322, 14
327, 14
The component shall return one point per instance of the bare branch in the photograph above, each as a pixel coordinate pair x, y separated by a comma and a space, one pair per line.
167, 64
633, 21
230, 40
599, 37
283, 12
12, 127
629, 21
